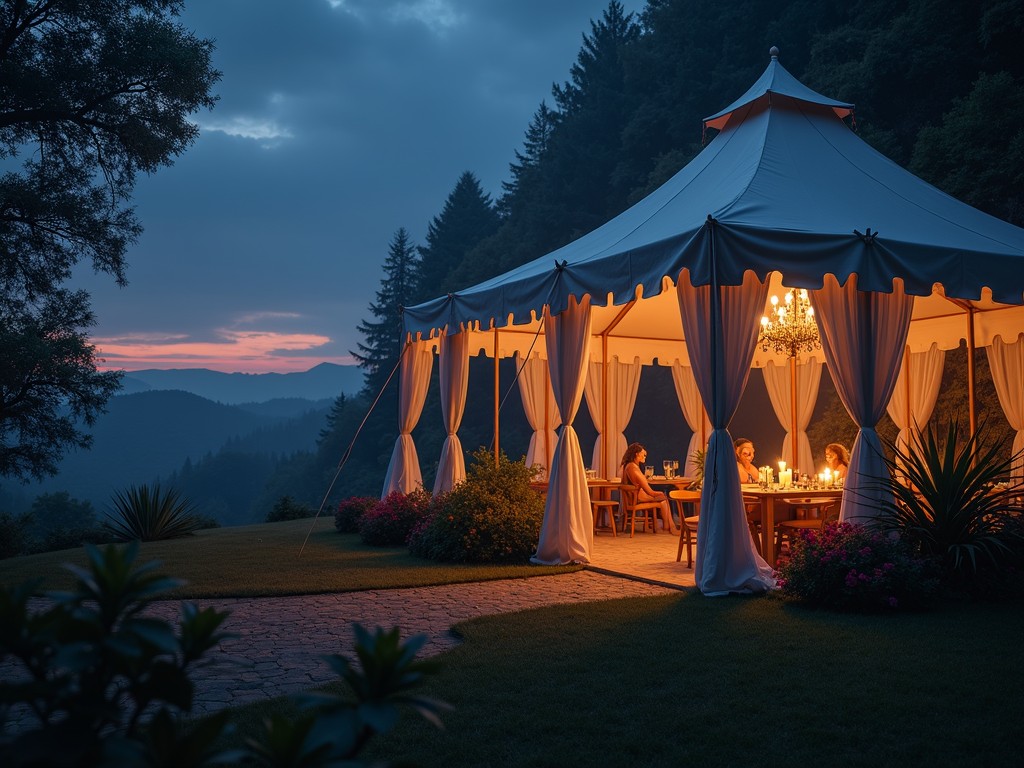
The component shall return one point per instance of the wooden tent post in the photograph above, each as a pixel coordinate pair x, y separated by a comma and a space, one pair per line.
497, 400
792, 404
971, 404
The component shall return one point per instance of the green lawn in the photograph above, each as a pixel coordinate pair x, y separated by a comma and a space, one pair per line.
696, 681
269, 559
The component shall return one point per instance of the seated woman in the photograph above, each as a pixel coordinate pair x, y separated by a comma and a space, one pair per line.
837, 459
636, 455
745, 460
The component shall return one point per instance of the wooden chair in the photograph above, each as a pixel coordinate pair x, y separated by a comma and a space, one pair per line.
752, 506
817, 512
687, 523
631, 507
600, 505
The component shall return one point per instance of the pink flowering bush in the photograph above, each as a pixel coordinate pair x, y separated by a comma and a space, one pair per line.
493, 516
390, 521
350, 512
850, 567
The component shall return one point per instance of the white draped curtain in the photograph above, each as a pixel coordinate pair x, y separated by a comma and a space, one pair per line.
453, 369
862, 337
623, 382
778, 380
413, 379
917, 389
721, 325
541, 412
1007, 364
694, 413
566, 534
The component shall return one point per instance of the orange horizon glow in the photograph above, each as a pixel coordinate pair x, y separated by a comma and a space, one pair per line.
239, 352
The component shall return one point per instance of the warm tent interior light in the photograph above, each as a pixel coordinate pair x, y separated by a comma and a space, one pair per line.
786, 194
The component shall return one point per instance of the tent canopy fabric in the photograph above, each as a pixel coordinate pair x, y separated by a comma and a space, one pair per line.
790, 188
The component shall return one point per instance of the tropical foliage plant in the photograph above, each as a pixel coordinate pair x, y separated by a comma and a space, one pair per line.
951, 497
851, 567
100, 684
144, 513
494, 515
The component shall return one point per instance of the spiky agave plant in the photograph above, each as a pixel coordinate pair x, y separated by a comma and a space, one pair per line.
145, 513
952, 499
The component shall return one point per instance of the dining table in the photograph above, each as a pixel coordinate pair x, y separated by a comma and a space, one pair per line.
769, 497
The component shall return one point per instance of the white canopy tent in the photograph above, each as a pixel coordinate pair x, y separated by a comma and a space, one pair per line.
785, 192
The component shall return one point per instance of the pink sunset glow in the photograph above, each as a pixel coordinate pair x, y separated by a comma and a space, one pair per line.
234, 352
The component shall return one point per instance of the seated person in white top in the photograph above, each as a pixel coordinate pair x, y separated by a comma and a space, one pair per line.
745, 460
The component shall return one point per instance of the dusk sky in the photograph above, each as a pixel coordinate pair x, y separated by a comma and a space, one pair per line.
339, 121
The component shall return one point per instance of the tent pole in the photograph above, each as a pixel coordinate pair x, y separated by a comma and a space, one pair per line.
792, 405
547, 420
497, 400
604, 403
906, 386
971, 404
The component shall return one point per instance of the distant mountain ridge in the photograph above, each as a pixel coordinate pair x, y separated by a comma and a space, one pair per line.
148, 435
321, 382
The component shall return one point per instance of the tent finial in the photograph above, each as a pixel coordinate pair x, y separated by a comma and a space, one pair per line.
774, 52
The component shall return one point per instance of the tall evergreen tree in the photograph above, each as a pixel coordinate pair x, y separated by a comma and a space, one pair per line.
467, 218
382, 345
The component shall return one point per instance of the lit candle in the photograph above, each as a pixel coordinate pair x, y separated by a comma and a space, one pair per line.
785, 478
782, 466
827, 476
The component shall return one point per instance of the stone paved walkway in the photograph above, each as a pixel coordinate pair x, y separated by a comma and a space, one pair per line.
279, 642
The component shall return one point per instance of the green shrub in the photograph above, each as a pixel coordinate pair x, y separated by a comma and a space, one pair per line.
13, 534
287, 508
950, 503
102, 685
350, 512
494, 516
851, 567
390, 521
149, 514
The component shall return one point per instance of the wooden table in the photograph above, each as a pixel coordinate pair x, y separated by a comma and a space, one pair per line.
768, 499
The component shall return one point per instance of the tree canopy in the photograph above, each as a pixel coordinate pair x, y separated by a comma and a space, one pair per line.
91, 94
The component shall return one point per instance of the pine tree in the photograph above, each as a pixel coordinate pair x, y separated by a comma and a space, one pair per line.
382, 344
467, 218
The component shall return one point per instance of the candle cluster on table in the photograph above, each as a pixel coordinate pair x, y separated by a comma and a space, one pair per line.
785, 476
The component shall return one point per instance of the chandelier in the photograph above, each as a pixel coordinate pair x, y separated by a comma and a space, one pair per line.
790, 329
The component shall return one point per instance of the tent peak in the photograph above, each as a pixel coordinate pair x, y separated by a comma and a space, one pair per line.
776, 79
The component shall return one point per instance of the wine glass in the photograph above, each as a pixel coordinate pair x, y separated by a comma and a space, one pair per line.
675, 467
666, 465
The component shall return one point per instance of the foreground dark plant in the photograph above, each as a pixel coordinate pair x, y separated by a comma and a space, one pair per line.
94, 670
100, 684
951, 499
143, 513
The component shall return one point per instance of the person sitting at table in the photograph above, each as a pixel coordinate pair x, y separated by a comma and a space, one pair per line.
745, 460
837, 459
634, 456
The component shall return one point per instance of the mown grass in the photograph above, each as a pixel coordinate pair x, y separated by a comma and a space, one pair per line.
264, 560
691, 680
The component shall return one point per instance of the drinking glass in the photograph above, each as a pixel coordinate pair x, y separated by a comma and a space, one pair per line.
648, 470
666, 465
